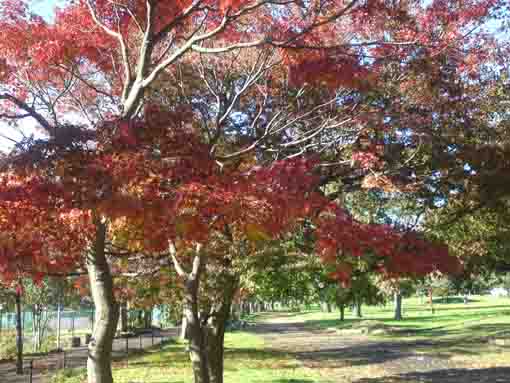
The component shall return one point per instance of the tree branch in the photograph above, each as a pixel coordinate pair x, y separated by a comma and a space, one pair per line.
27, 108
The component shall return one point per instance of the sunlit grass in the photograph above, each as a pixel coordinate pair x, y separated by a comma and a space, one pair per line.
246, 361
482, 316
455, 330
458, 332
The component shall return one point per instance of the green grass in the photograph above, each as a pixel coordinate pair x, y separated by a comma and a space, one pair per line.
246, 361
456, 332
481, 317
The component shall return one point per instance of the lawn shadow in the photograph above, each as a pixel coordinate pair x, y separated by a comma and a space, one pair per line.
452, 375
290, 381
453, 300
438, 352
411, 325
258, 359
360, 355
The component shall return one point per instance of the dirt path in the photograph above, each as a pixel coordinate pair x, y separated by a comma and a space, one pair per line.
45, 366
363, 359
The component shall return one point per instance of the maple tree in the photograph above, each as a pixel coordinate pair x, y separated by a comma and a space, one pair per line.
144, 181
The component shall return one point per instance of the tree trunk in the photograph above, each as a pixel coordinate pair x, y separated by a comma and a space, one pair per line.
357, 308
216, 329
197, 345
431, 301
184, 327
328, 307
19, 336
398, 306
147, 319
123, 317
99, 369
342, 311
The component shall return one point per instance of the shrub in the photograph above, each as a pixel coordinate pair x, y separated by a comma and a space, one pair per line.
70, 375
8, 345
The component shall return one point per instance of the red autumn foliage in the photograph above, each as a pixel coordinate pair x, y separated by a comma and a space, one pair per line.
180, 191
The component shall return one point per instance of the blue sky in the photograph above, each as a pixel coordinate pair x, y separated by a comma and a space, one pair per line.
45, 7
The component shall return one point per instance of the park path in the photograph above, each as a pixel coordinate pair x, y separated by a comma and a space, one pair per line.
45, 366
341, 358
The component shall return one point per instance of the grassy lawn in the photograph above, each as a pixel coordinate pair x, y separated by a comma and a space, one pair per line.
481, 317
456, 330
457, 334
246, 362
485, 315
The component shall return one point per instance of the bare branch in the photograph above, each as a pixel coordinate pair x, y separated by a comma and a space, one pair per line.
27, 108
123, 49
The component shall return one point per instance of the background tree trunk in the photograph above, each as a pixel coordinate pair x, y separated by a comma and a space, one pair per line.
99, 369
19, 336
431, 301
398, 305
357, 308
123, 317
148, 319
342, 311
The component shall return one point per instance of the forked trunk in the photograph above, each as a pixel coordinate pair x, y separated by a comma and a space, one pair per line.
215, 351
216, 330
99, 369
195, 333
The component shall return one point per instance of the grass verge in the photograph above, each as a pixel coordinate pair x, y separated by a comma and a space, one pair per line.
246, 361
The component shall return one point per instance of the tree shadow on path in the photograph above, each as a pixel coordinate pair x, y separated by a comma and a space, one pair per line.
453, 375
